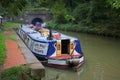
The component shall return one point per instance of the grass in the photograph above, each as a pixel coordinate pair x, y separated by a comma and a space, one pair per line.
6, 25
15, 73
2, 48
11, 24
12, 37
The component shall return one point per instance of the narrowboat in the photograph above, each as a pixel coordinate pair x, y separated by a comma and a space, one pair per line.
58, 50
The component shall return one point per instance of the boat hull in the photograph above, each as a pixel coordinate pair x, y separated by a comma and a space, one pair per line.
74, 63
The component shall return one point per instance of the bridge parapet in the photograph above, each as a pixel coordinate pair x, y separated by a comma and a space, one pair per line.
29, 15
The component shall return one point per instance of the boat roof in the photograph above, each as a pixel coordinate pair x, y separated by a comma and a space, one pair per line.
38, 36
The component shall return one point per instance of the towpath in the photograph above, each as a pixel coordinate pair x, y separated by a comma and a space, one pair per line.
18, 54
14, 56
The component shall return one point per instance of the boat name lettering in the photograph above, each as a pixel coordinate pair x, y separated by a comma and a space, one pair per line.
40, 46
40, 51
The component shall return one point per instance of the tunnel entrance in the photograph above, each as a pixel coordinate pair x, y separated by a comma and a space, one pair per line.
36, 20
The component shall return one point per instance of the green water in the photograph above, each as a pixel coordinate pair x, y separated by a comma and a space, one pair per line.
102, 60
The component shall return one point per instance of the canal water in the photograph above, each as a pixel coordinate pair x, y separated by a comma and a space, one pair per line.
102, 60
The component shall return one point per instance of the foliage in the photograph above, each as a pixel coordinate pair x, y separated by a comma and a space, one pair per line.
11, 25
100, 30
114, 3
33, 3
2, 48
90, 16
15, 73
2, 40
12, 7
55, 25
69, 18
81, 13
59, 10
93, 16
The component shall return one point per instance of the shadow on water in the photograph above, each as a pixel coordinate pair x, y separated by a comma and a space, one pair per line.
101, 60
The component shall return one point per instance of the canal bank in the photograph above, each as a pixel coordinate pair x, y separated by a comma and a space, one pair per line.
19, 55
99, 30
37, 69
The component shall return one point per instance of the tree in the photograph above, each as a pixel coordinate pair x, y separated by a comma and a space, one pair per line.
12, 7
61, 9
114, 3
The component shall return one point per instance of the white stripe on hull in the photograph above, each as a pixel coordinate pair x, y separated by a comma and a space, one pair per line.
64, 62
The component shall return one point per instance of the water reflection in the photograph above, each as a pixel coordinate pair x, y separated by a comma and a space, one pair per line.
58, 74
102, 60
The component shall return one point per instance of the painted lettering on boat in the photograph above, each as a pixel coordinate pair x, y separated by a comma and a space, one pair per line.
40, 48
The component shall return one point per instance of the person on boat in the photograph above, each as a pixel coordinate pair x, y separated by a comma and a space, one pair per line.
43, 24
31, 26
38, 26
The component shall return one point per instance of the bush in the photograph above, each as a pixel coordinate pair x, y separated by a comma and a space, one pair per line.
100, 29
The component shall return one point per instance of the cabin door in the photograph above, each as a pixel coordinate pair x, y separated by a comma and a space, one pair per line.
58, 48
65, 46
72, 45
